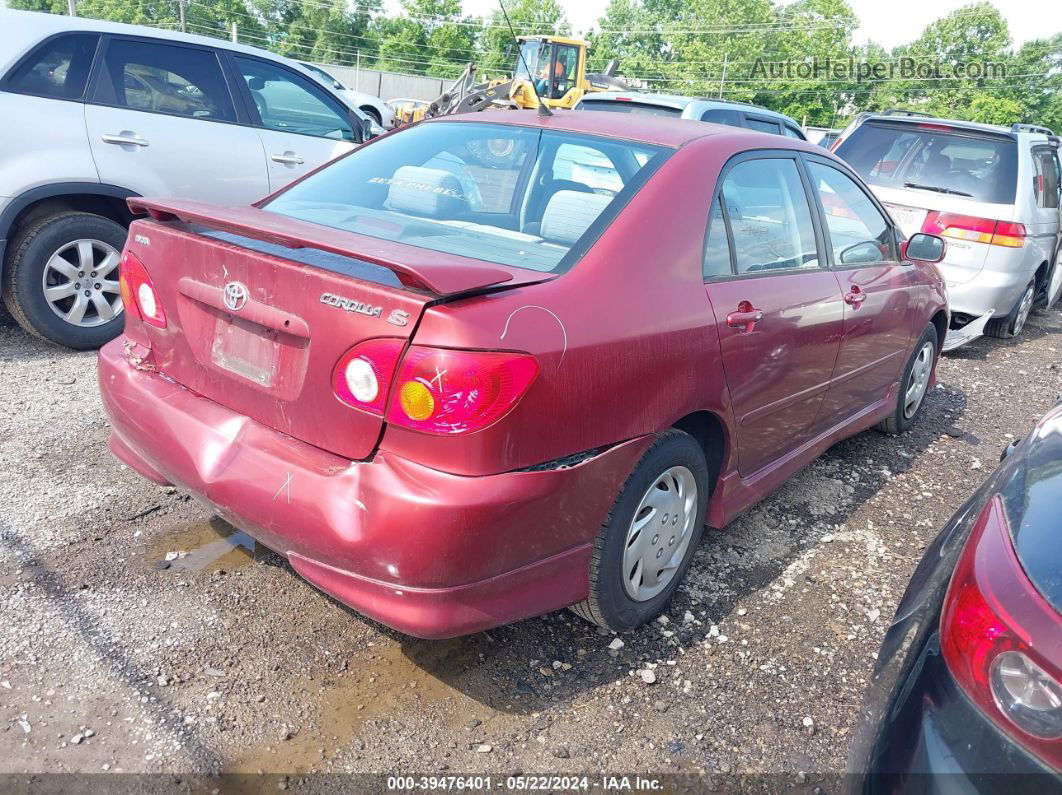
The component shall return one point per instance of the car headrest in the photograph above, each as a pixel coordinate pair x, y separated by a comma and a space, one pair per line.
570, 213
426, 191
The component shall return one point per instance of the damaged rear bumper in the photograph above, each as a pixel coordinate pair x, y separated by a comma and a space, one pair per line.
425, 552
968, 333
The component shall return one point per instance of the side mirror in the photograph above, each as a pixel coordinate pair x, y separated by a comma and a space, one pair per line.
861, 254
361, 127
923, 248
255, 83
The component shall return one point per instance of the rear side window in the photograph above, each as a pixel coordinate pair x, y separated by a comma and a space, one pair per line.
763, 125
859, 233
769, 216
634, 108
934, 158
717, 250
59, 68
792, 132
160, 78
1046, 177
720, 116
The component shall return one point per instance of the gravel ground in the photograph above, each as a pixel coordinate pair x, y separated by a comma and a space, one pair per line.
140, 634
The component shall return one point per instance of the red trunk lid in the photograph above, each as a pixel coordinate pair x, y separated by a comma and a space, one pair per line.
300, 304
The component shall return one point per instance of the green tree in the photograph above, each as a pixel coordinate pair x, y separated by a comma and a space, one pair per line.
990, 109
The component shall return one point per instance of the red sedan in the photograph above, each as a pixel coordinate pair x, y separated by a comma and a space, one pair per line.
491, 366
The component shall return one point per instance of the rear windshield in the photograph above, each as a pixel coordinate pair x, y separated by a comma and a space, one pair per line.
516, 196
983, 168
635, 108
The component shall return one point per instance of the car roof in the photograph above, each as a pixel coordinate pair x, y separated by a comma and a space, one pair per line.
21, 26
657, 130
678, 101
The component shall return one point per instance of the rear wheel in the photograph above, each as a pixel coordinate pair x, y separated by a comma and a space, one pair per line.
646, 544
61, 282
914, 383
1012, 324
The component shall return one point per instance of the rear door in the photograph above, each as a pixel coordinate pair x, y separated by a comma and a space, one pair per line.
880, 291
777, 307
161, 121
299, 124
1046, 194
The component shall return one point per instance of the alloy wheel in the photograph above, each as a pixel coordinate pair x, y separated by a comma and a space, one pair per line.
81, 283
659, 534
919, 380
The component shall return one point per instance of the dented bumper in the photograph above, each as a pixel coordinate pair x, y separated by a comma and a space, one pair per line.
425, 552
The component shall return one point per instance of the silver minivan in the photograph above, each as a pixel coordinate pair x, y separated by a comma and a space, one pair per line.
992, 191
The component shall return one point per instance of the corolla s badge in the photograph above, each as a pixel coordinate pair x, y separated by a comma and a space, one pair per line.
235, 296
351, 305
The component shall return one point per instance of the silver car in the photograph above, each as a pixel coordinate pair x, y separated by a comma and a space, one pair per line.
993, 192
718, 111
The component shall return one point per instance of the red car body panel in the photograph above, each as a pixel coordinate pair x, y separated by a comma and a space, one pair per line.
441, 535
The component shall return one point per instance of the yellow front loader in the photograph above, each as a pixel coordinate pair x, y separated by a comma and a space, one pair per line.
550, 67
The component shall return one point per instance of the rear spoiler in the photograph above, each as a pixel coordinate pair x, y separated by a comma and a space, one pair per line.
439, 273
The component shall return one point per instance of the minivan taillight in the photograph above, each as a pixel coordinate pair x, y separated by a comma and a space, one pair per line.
445, 391
138, 293
1002, 641
978, 230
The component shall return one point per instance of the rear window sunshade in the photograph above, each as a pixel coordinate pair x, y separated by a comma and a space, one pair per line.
934, 158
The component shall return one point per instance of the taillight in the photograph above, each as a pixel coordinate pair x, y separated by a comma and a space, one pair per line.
138, 293
450, 391
1002, 641
978, 230
363, 374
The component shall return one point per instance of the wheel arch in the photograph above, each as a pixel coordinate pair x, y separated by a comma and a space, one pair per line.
940, 321
102, 199
708, 429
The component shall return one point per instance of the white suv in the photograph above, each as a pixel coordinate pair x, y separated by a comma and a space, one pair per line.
97, 112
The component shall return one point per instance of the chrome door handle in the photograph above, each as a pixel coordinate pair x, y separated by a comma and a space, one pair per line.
288, 159
124, 140
745, 318
855, 298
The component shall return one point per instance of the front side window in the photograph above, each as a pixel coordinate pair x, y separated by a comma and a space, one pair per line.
58, 69
859, 233
501, 193
564, 66
291, 103
769, 216
160, 78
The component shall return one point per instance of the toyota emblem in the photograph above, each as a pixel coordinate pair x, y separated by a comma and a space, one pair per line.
235, 296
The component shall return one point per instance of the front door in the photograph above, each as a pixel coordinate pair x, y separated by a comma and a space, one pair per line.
880, 293
301, 127
778, 310
161, 121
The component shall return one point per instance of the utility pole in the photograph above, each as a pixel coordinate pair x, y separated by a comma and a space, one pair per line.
726, 59
357, 70
180, 6
234, 38
71, 7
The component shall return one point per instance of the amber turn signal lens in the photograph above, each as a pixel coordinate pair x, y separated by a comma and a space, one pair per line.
416, 400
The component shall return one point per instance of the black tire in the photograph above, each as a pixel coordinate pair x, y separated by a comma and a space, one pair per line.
898, 421
1011, 326
373, 114
1043, 297
608, 603
24, 277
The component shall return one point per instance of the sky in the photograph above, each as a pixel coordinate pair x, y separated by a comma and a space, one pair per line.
888, 22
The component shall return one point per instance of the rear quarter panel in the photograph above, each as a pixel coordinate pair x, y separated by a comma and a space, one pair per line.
625, 340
